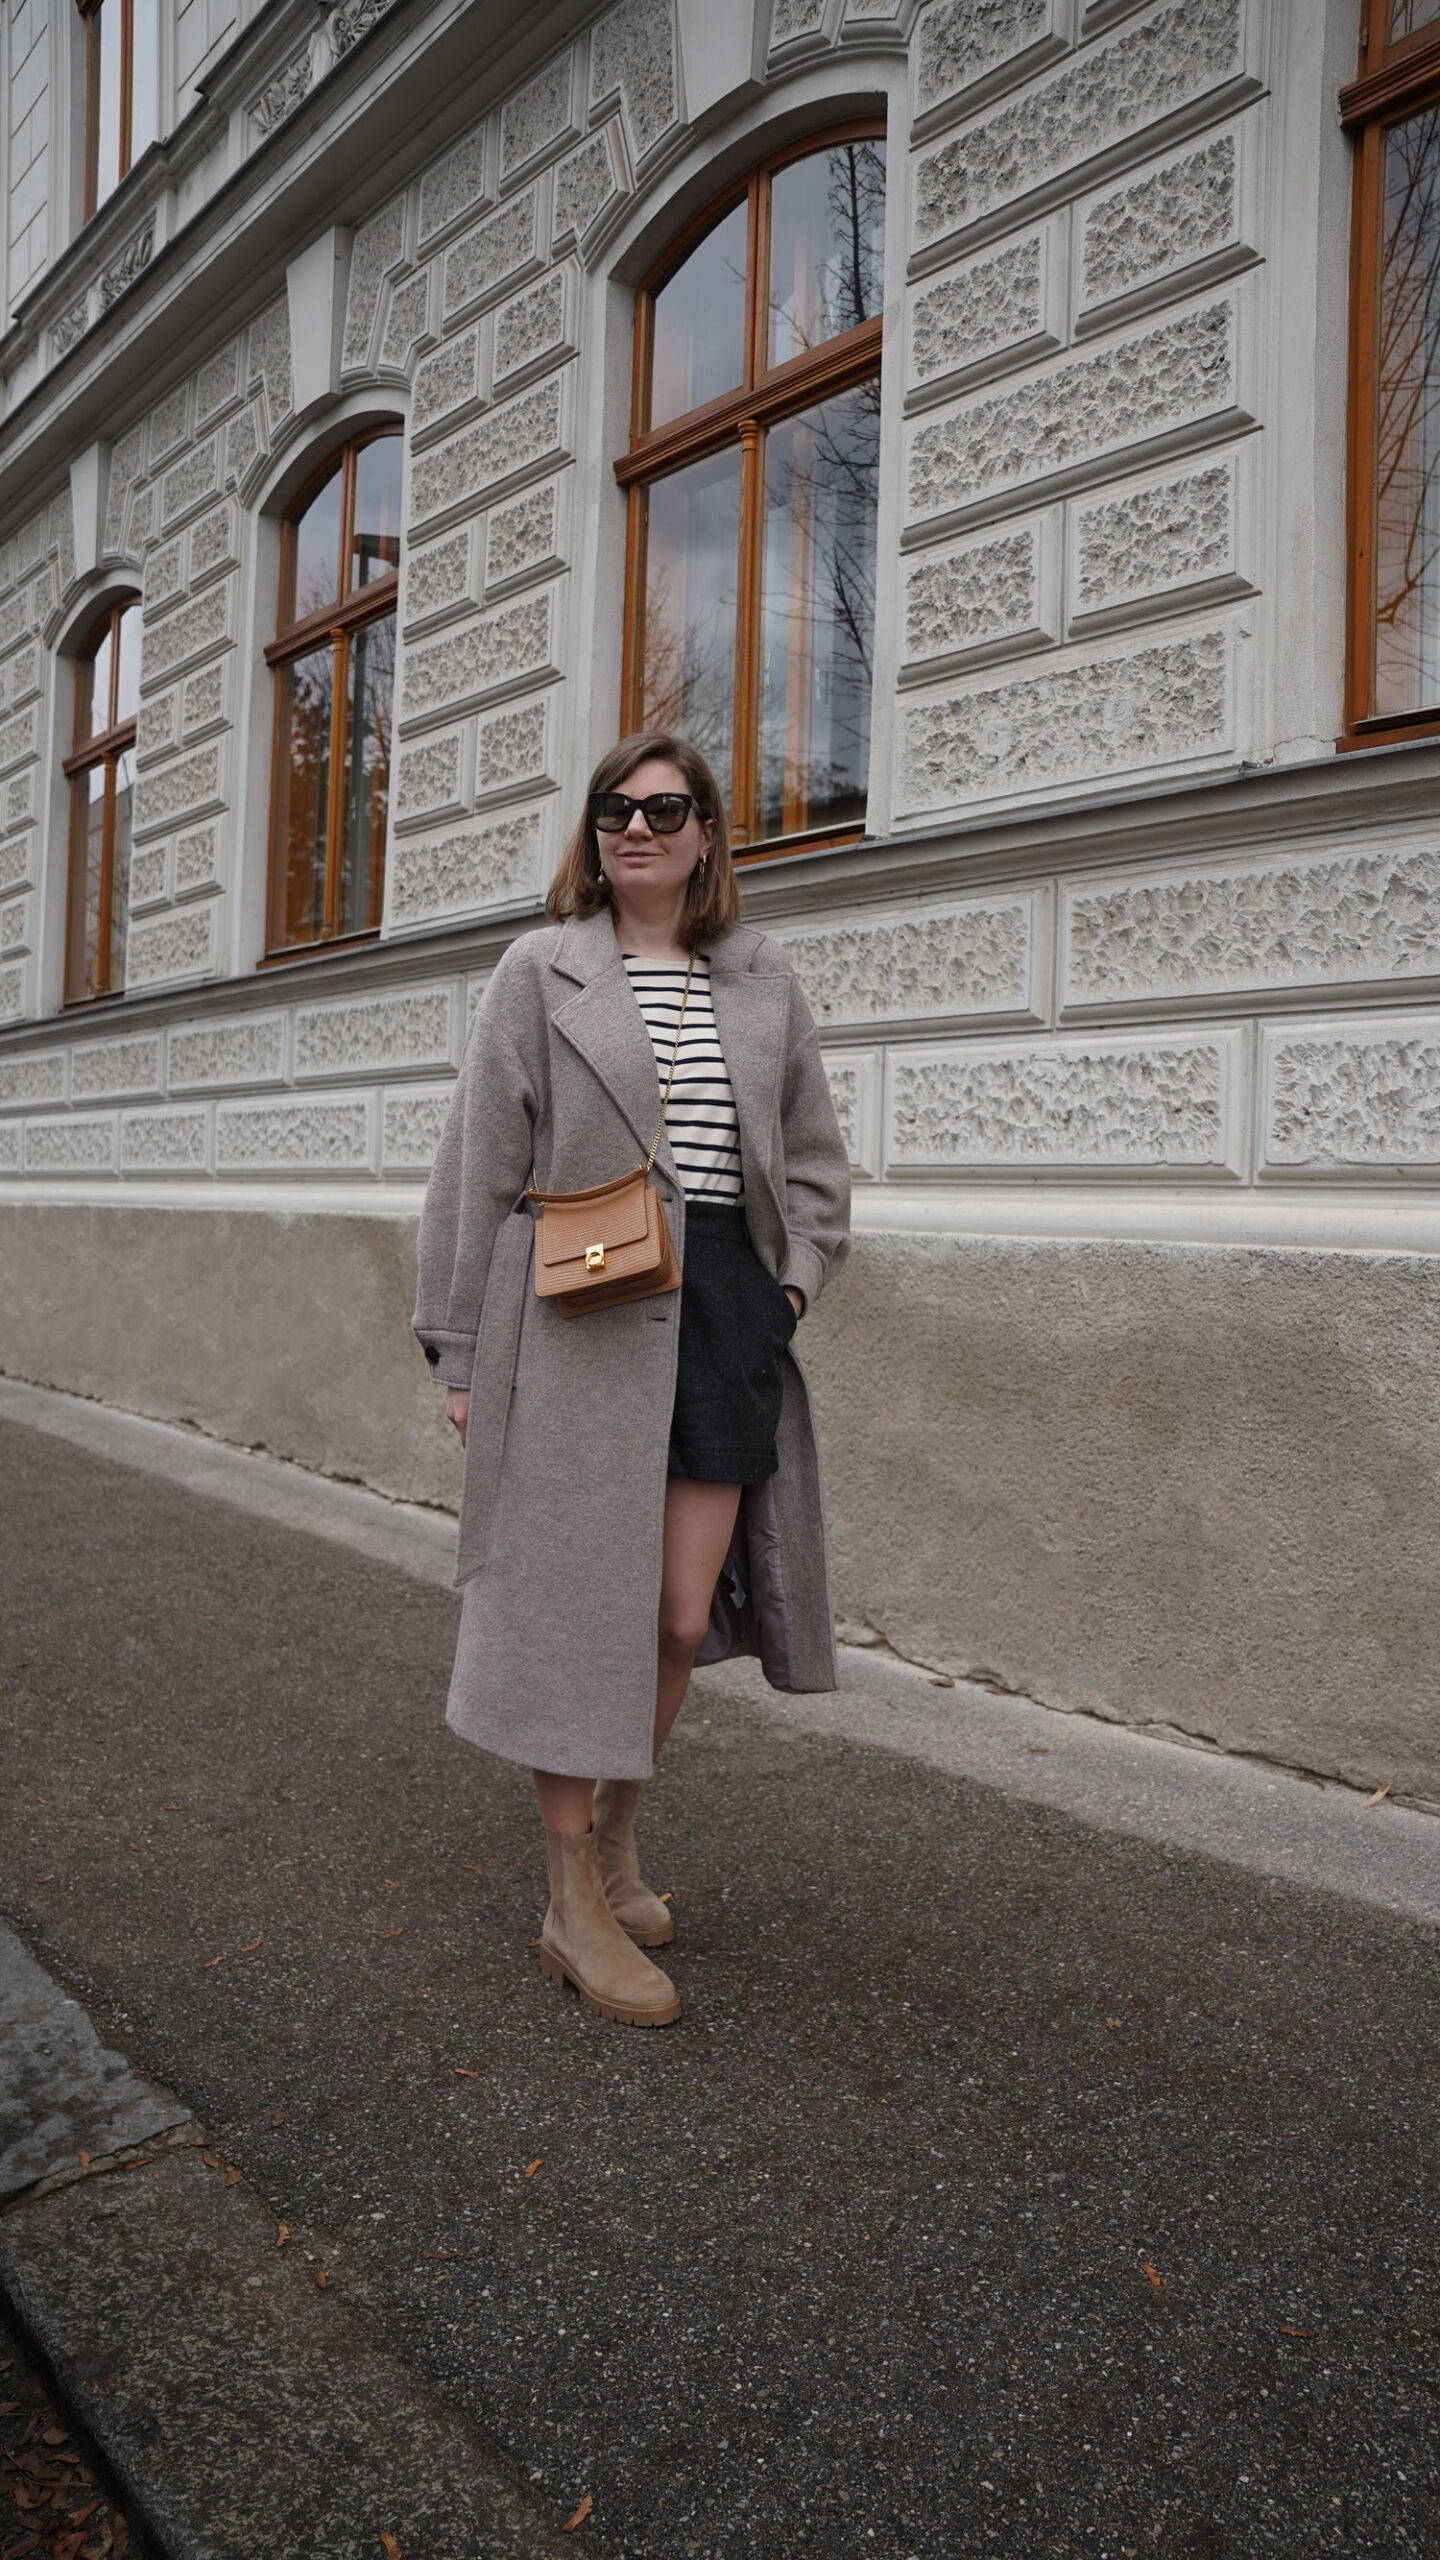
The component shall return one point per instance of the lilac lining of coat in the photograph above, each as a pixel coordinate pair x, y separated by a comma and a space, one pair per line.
748, 1612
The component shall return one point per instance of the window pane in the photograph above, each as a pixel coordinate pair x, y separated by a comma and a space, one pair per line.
316, 538
302, 793
120, 865
87, 845
699, 342
144, 74
367, 781
818, 612
127, 676
103, 67
95, 675
827, 246
691, 555
1407, 425
1407, 15
375, 546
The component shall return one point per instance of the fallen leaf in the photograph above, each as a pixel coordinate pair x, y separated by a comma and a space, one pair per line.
535, 1942
1308, 1778
938, 1681
209, 2159
210, 1967
322, 2277
1287, 2332
172, 1808
254, 1943
1114, 2022
1039, 1750
580, 2514
54, 2435
437, 2253
277, 2115
51, 1876
462, 2073
469, 1870
394, 1883
890, 1703
282, 2235
84, 2159
1148, 2270
232, 2177
667, 1897
390, 2546
394, 1933
87, 2512
8, 2408
537, 2163
1378, 1797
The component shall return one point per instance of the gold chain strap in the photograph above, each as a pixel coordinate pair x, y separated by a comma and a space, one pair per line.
674, 1059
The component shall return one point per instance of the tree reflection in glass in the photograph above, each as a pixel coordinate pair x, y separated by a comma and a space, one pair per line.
827, 246
303, 772
372, 686
818, 613
699, 324
1407, 422
691, 553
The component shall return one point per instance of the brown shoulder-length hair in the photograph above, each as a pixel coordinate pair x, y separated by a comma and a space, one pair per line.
712, 898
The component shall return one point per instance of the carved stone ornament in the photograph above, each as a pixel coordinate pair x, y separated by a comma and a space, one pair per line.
134, 258
352, 20
72, 324
283, 94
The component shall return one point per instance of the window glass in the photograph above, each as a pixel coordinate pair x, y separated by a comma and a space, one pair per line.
127, 672
691, 555
317, 547
303, 781
1407, 423
94, 679
818, 613
144, 76
372, 686
699, 324
375, 544
827, 246
87, 874
123, 787
104, 59
1407, 15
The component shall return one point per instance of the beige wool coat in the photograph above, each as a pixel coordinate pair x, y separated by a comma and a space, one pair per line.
562, 1509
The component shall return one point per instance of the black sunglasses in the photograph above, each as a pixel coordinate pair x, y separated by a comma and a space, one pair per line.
664, 812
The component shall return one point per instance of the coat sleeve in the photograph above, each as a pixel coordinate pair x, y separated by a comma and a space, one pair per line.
817, 1162
481, 1169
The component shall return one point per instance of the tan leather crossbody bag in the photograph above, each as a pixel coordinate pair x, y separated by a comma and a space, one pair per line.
604, 1246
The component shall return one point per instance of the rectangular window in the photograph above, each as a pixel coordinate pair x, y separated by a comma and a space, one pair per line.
101, 773
122, 90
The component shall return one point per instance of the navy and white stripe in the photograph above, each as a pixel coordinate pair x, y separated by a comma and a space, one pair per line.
700, 1118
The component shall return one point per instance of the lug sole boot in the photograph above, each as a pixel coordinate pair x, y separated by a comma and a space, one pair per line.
641, 1914
582, 1942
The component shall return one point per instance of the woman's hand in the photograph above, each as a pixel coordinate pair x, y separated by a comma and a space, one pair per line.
457, 1410
797, 1302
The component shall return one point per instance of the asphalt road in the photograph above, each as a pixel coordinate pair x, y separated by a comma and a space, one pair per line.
1007, 2182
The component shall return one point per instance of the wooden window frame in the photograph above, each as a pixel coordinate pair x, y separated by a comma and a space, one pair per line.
1394, 80
337, 623
766, 395
123, 16
114, 741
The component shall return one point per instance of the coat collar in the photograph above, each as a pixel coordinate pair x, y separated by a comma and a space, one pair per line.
587, 948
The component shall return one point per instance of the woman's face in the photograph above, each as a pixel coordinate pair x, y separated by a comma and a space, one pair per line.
638, 859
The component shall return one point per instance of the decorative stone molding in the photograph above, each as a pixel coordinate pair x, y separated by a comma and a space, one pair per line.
410, 1130
632, 57
453, 187
533, 330
983, 598
1353, 1097
1078, 722
164, 1141
790, 20
71, 326
496, 254
1172, 539
214, 544
12, 992
10, 1137
511, 646
379, 248
949, 962
40, 1077
282, 95
407, 323
414, 1029
191, 482
980, 319
855, 1078
101, 1069
270, 362
587, 183
217, 384
134, 258
352, 20
429, 780
966, 49
312, 1136
1186, 53
1178, 216
16, 927
539, 117
489, 864
523, 537
509, 442
181, 790
149, 878
168, 426
177, 946
70, 1146
243, 1049
176, 640
126, 463
164, 573
1141, 1106
437, 583
447, 382
197, 861
513, 750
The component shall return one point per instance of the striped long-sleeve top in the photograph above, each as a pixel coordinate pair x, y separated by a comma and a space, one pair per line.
700, 1118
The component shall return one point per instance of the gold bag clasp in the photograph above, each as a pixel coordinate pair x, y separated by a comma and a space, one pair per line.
595, 1257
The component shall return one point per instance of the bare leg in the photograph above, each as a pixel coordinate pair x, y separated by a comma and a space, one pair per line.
564, 1802
699, 1524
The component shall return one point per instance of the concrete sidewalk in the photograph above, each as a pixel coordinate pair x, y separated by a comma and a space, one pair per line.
1046, 2155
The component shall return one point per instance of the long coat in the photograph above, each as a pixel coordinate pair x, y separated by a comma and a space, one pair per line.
562, 1510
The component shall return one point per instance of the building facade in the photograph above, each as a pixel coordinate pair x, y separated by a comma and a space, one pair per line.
1003, 431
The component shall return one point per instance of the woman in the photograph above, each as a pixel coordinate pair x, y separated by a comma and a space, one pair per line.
641, 1483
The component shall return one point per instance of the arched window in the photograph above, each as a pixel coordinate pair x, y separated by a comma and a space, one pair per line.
334, 661
753, 471
101, 772
122, 75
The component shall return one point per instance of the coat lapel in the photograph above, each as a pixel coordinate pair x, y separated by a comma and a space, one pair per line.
602, 1024
750, 1012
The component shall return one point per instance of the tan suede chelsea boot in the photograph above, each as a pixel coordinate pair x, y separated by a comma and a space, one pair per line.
641, 1914
582, 1942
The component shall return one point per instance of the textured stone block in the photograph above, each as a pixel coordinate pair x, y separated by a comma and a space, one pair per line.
11, 1136
191, 632
202, 701
1354, 1096
497, 252
149, 878
17, 861
1147, 709
164, 1141
164, 573
243, 1049
999, 310
856, 1081
180, 946
533, 329
270, 365
513, 645
587, 182
127, 461
101, 1068
378, 250
407, 322
155, 727
454, 187
539, 117
244, 443
974, 958
217, 384
197, 861
488, 864
179, 790
312, 1136
214, 544
168, 426
17, 737
430, 780
38, 1077
792, 19
1170, 537
12, 992
632, 56
519, 436
70, 1146
447, 381
20, 796
1157, 225
1344, 916
410, 1130
984, 597
513, 748
16, 927
437, 580
523, 536
964, 49
1143, 390
415, 1029
1109, 96
1144, 1105
190, 482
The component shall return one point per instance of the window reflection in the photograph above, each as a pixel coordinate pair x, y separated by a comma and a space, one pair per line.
1407, 425
699, 323
375, 543
306, 695
1407, 15
818, 613
827, 246
691, 552
102, 785
316, 571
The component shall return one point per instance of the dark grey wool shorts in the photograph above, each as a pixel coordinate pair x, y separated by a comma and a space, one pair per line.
735, 1321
